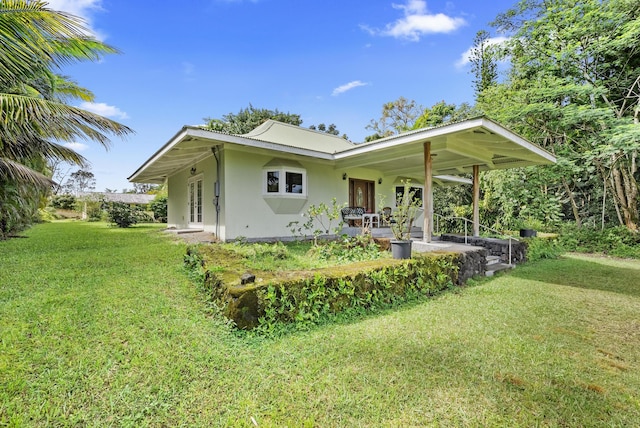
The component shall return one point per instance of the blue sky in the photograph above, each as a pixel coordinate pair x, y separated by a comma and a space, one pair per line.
330, 61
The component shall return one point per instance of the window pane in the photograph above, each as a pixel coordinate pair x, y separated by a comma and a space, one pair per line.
294, 182
417, 194
273, 181
399, 194
191, 201
199, 199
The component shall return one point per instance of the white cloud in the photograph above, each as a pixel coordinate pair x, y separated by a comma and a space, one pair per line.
465, 57
78, 147
417, 22
81, 8
104, 110
347, 87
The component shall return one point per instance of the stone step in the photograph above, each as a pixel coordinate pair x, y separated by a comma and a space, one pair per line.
493, 260
497, 267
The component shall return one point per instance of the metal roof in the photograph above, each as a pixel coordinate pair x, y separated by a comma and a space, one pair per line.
456, 147
126, 198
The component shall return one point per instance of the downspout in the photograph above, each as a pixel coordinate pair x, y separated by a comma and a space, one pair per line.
216, 186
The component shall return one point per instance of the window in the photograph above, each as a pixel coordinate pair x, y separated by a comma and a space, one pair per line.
273, 181
417, 194
293, 184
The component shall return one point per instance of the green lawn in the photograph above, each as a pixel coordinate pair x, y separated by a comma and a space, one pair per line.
100, 326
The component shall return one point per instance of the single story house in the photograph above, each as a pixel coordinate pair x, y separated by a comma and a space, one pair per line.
253, 185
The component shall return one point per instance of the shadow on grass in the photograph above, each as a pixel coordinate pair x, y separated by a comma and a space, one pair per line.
588, 273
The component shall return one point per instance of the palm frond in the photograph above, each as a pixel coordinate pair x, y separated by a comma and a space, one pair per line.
14, 171
33, 37
37, 117
27, 150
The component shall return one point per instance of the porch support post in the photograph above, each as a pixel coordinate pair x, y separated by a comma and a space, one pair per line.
476, 200
428, 193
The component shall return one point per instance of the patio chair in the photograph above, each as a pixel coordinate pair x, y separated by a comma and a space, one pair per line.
385, 216
351, 215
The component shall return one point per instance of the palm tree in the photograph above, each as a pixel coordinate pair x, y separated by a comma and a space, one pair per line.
35, 42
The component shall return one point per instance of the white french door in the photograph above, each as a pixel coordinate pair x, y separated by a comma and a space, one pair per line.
195, 202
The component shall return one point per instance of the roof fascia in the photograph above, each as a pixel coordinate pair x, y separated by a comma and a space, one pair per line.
440, 131
414, 136
195, 132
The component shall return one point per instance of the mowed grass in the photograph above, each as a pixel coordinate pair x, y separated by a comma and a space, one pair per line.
100, 327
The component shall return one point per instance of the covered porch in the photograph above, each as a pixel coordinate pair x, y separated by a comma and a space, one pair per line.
429, 155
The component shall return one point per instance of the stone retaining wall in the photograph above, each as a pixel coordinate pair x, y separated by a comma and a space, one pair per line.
494, 246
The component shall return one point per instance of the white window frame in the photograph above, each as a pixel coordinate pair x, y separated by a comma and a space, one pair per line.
413, 186
282, 185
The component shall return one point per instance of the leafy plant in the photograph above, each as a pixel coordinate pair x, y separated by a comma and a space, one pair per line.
123, 215
407, 208
64, 202
308, 301
348, 249
159, 208
320, 221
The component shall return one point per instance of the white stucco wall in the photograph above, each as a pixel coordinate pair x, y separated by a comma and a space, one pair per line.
250, 213
245, 212
178, 206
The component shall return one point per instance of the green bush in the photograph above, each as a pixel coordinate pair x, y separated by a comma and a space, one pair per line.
95, 210
308, 301
159, 208
254, 251
309, 297
617, 241
63, 202
123, 215
544, 248
348, 249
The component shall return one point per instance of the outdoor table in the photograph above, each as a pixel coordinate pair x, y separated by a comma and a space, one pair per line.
370, 219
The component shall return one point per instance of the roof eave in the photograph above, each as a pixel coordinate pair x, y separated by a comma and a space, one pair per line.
219, 137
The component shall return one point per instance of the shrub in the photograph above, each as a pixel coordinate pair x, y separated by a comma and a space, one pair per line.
159, 208
308, 297
544, 248
308, 301
63, 202
95, 210
348, 249
123, 215
616, 241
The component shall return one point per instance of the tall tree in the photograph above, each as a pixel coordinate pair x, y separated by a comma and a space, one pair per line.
397, 116
573, 87
34, 114
331, 129
248, 119
441, 113
80, 181
483, 63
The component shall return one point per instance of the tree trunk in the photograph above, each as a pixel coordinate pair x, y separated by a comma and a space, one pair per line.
574, 206
626, 192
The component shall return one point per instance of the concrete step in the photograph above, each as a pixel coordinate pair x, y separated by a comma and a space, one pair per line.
497, 267
493, 260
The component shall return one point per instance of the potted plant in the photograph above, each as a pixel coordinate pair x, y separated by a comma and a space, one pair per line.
529, 227
407, 207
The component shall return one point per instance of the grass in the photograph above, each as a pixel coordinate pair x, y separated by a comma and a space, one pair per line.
99, 326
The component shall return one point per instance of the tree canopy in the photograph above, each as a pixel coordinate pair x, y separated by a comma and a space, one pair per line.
35, 116
248, 119
574, 87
